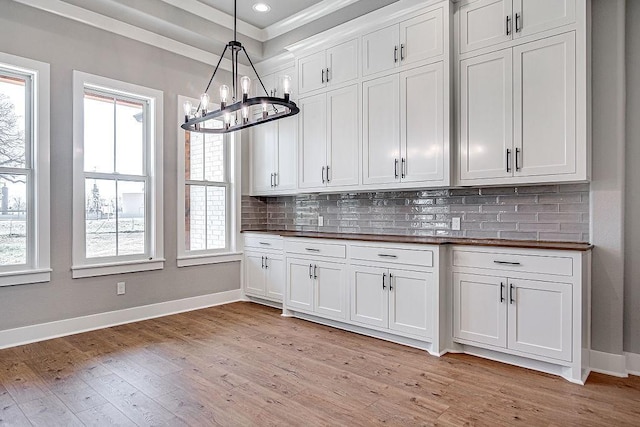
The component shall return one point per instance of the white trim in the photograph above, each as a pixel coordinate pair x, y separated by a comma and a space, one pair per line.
38, 269
154, 259
191, 260
115, 26
83, 271
608, 363
304, 17
61, 328
633, 363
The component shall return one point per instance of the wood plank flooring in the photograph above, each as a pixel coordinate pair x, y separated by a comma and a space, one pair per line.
243, 364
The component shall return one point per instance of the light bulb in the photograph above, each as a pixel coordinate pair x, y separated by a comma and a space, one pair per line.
188, 107
224, 94
286, 87
264, 110
245, 114
204, 103
227, 120
245, 82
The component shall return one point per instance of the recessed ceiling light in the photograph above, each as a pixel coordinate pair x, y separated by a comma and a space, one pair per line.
261, 7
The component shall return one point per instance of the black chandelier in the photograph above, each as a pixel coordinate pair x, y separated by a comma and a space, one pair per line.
238, 114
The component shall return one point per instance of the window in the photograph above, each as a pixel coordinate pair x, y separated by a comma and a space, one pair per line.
24, 171
207, 197
117, 177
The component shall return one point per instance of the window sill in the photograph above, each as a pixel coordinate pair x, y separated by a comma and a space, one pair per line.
11, 278
191, 260
83, 271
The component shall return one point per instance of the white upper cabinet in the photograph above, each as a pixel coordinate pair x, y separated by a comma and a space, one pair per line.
286, 176
486, 23
413, 40
404, 127
264, 150
330, 67
343, 140
486, 116
534, 16
545, 107
312, 146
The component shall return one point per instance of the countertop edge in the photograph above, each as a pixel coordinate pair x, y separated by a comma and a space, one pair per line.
386, 238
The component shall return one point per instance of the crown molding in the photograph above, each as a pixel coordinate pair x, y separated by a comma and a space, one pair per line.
218, 17
115, 26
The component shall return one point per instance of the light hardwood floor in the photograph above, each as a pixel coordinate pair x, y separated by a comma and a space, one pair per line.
243, 364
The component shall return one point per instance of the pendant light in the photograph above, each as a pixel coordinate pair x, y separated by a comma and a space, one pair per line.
237, 113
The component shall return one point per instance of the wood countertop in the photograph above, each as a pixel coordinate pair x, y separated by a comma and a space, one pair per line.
426, 240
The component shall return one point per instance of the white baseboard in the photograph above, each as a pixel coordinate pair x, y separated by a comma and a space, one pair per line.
60, 328
608, 363
633, 363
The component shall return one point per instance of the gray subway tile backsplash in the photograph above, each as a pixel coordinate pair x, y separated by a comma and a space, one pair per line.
543, 212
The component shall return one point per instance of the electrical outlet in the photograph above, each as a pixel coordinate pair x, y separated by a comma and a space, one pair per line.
455, 224
121, 288
320, 221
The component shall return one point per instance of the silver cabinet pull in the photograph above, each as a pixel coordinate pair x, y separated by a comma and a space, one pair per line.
266, 262
395, 168
310, 271
262, 262
508, 160
518, 28
315, 271
501, 292
323, 168
511, 300
390, 281
327, 75
402, 52
328, 180
323, 75
387, 256
384, 276
506, 262
518, 155
508, 25
272, 184
312, 249
404, 167
265, 243
395, 54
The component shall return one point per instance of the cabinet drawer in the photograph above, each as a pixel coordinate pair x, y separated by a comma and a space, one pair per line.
315, 248
507, 261
420, 257
263, 242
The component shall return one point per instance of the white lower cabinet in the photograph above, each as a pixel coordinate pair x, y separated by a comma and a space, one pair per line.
394, 299
264, 267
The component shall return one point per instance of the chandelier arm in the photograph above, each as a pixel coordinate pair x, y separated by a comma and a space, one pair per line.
213, 75
254, 70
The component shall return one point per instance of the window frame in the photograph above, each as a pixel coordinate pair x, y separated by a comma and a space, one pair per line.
231, 144
153, 258
37, 268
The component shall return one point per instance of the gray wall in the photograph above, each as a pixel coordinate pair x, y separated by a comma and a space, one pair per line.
68, 45
632, 226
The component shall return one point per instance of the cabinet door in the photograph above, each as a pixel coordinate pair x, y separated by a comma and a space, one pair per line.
311, 73
421, 37
381, 50
343, 143
254, 277
275, 277
342, 63
312, 146
370, 295
480, 309
484, 23
541, 318
287, 171
381, 130
330, 290
299, 287
486, 116
411, 302
264, 148
534, 16
545, 106
422, 129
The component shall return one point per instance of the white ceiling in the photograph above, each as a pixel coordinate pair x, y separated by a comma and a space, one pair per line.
280, 9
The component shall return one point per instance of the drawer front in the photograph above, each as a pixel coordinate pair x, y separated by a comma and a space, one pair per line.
506, 261
263, 242
306, 247
418, 257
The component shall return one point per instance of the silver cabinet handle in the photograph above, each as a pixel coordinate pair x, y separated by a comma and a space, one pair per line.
384, 276
404, 167
511, 300
506, 262
310, 271
395, 54
387, 256
265, 243
501, 292
390, 281
508, 160
518, 155
402, 52
323, 168
315, 271
312, 249
395, 168
262, 262
271, 181
518, 29
508, 25
266, 262
327, 75
328, 180
323, 75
